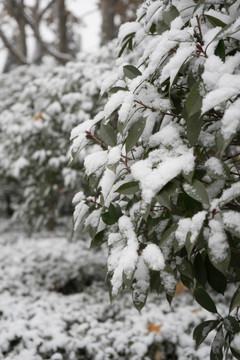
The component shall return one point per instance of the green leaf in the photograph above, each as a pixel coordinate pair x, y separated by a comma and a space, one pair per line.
223, 265
167, 234
202, 330
223, 32
163, 199
189, 176
115, 211
217, 346
108, 135
215, 278
135, 133
186, 269
231, 325
106, 217
194, 127
235, 302
194, 101
161, 27
99, 239
168, 280
164, 196
215, 21
170, 15
202, 297
111, 217
131, 71
197, 191
128, 188
220, 50
115, 89
200, 270
235, 352
139, 299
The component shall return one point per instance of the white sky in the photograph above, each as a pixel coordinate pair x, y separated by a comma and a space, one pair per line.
89, 30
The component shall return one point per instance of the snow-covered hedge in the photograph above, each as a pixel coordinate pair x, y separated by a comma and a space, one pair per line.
39, 320
166, 173
38, 108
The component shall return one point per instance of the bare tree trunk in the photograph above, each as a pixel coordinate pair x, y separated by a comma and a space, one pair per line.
108, 30
62, 27
17, 50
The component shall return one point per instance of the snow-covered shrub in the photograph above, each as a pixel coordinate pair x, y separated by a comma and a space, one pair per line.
166, 173
38, 108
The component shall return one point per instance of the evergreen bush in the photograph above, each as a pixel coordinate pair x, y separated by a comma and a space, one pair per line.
164, 166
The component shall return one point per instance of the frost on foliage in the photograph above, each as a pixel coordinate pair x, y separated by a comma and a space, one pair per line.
127, 257
167, 155
190, 225
152, 255
231, 220
36, 117
217, 241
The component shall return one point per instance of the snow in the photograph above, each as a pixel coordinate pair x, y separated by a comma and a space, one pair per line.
217, 241
214, 165
153, 256
170, 165
50, 324
231, 219
231, 120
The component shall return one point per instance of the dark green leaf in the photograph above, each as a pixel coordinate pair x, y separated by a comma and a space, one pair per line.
166, 235
197, 191
168, 280
128, 188
99, 239
187, 282
115, 89
108, 135
202, 297
231, 325
215, 278
220, 50
139, 299
235, 302
161, 27
193, 102
186, 269
115, 211
202, 330
170, 15
235, 352
194, 127
217, 346
221, 265
200, 270
135, 133
215, 21
107, 219
189, 176
164, 199
131, 71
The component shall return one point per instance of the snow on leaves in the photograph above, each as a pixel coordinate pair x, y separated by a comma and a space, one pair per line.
172, 165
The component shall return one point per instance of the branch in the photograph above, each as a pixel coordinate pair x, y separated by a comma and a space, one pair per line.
40, 15
22, 60
50, 50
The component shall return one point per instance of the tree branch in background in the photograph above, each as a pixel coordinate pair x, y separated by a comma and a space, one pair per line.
61, 57
62, 27
18, 56
40, 15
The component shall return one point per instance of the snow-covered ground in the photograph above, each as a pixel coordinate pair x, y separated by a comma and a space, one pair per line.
54, 304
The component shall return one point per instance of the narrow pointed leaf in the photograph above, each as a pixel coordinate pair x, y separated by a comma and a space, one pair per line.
135, 133
108, 135
202, 297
